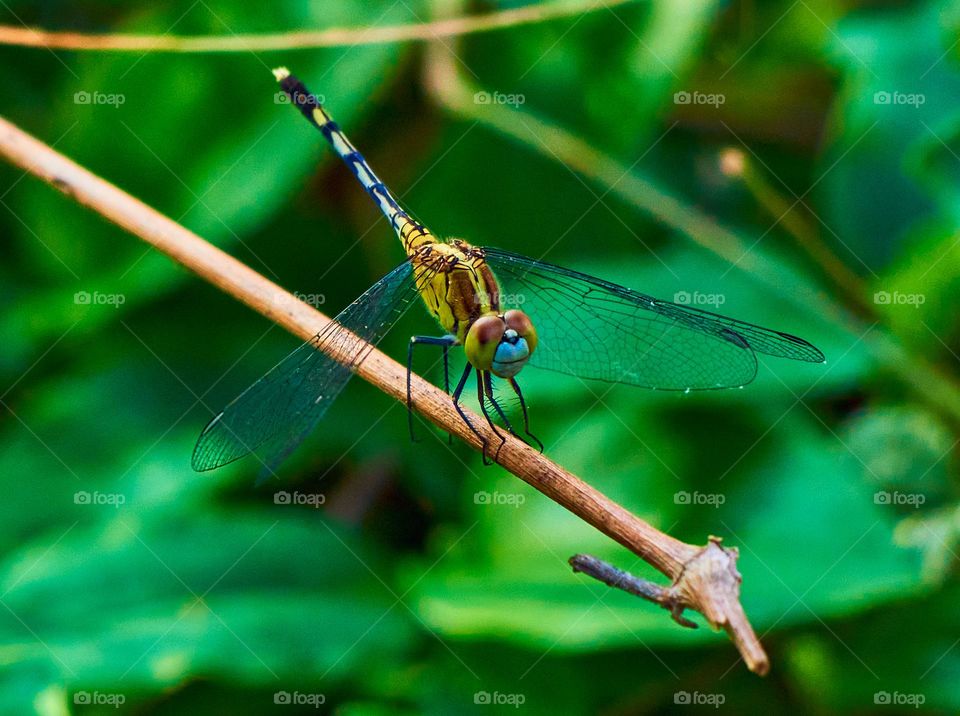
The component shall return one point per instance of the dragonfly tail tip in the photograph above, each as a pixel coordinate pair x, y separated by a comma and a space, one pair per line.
281, 73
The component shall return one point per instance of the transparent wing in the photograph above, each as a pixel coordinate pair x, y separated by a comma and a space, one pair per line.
274, 414
596, 329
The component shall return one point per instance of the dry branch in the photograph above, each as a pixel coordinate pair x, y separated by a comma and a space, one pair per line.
704, 579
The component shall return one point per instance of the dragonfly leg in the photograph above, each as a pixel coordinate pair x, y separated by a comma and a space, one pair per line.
488, 389
526, 418
446, 369
446, 381
457, 392
481, 390
445, 342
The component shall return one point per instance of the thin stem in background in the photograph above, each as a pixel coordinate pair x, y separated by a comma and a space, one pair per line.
302, 39
737, 165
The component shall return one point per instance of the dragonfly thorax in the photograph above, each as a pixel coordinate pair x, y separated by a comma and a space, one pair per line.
501, 343
456, 284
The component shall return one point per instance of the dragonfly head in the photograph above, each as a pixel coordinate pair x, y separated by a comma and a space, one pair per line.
501, 344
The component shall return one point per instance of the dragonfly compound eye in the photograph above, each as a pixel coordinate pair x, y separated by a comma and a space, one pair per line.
482, 340
521, 323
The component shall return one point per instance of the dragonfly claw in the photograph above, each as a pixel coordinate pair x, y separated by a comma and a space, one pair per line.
539, 444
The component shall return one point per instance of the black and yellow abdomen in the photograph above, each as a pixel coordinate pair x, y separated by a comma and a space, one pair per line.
454, 280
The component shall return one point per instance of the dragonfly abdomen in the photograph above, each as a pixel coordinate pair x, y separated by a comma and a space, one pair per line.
412, 233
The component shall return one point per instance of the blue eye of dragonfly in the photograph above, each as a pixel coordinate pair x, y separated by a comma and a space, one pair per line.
577, 324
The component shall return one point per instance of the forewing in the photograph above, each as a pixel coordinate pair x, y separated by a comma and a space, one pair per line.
599, 330
274, 414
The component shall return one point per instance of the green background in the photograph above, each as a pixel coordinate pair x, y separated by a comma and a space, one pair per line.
403, 593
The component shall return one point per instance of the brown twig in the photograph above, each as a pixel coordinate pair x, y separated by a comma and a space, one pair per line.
637, 586
712, 570
301, 39
699, 583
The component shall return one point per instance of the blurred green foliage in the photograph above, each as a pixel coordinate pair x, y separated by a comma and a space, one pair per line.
406, 592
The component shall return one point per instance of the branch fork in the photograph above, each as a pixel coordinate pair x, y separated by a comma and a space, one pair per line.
708, 582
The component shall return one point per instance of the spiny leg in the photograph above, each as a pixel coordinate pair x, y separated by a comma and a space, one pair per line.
481, 387
458, 391
446, 368
488, 389
446, 382
446, 342
526, 418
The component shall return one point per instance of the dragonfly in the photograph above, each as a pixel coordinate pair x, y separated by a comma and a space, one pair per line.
567, 321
